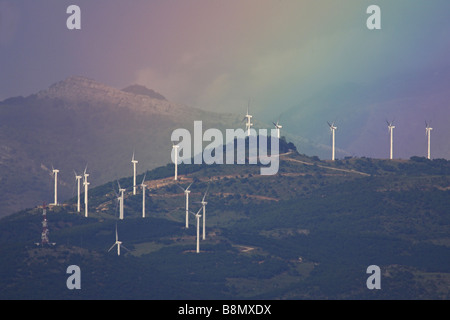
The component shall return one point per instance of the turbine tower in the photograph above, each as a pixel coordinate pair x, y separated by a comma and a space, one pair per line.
249, 123
391, 132
204, 203
278, 127
121, 191
143, 185
175, 149
198, 215
333, 134
428, 133
86, 185
55, 174
134, 162
118, 243
78, 178
186, 192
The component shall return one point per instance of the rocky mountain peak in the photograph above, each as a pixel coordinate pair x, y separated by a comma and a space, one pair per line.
141, 90
77, 90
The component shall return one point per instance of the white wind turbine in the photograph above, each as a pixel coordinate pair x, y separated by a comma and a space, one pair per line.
55, 174
186, 192
175, 150
391, 133
86, 185
78, 178
278, 126
118, 243
249, 123
204, 203
198, 215
143, 185
134, 162
333, 135
120, 198
428, 133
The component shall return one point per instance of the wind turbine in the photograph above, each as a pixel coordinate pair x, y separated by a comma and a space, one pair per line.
186, 192
134, 162
204, 203
78, 178
333, 133
118, 243
198, 215
143, 185
278, 126
391, 132
120, 198
428, 133
86, 184
175, 149
55, 174
249, 123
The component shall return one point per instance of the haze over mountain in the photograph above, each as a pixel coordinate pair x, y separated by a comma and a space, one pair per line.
79, 122
361, 110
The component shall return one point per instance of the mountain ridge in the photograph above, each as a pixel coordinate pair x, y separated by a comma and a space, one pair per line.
309, 232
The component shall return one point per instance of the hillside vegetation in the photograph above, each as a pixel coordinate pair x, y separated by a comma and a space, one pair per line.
308, 232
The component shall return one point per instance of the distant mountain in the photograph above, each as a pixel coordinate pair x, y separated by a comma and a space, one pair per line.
78, 122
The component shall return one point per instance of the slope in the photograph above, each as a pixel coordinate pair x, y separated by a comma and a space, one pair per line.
308, 232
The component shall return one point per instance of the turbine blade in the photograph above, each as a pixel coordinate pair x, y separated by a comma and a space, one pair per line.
189, 185
196, 214
112, 247
206, 192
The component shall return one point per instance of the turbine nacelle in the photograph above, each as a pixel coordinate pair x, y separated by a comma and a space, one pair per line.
390, 125
197, 215
332, 126
427, 128
277, 125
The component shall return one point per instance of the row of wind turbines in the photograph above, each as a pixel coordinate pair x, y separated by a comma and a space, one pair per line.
197, 216
120, 199
248, 125
391, 128
78, 180
120, 195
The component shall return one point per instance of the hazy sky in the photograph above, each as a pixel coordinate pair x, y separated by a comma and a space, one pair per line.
215, 54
